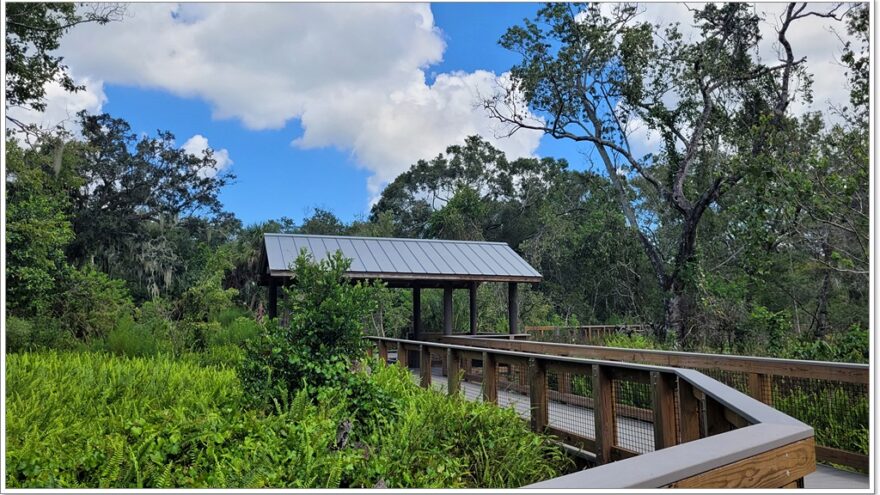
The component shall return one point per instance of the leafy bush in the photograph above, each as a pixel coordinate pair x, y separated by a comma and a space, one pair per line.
848, 347
90, 303
35, 334
325, 332
235, 332
633, 341
133, 339
93, 420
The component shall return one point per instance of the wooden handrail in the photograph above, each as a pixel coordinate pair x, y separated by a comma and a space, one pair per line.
691, 412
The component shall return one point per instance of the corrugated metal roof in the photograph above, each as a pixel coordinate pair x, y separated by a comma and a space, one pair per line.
403, 259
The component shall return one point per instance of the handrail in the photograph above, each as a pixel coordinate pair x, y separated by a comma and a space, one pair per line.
703, 429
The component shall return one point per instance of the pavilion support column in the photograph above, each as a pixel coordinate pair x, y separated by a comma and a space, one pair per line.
473, 294
417, 313
512, 306
273, 298
447, 311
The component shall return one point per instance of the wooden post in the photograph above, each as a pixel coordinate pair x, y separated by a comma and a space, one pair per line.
402, 357
689, 412
447, 311
473, 297
425, 365
716, 421
663, 388
490, 378
760, 387
512, 306
273, 298
417, 312
453, 376
383, 350
538, 395
603, 402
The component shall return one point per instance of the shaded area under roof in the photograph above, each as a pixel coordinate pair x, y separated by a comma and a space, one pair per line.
402, 262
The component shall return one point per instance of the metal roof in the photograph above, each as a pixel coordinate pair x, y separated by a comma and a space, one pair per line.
411, 260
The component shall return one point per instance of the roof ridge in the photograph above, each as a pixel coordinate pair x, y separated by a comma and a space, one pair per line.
410, 239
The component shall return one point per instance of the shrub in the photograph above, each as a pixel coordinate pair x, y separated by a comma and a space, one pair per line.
134, 339
35, 334
633, 341
235, 332
840, 419
90, 303
93, 420
325, 333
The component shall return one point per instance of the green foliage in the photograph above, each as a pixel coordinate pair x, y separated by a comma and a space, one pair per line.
325, 332
631, 341
91, 302
235, 333
36, 334
91, 420
851, 346
132, 339
840, 420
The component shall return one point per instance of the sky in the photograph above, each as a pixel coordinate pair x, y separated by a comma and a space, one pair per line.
321, 105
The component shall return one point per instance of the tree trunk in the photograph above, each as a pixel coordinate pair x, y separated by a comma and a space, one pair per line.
820, 328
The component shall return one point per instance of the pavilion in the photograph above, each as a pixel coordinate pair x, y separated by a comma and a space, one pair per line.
405, 263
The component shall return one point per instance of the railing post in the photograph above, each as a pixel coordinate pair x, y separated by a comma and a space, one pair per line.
689, 412
425, 365
383, 350
538, 395
663, 388
453, 372
402, 356
490, 378
603, 402
760, 387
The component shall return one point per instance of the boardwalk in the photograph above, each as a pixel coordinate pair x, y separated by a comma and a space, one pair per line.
632, 434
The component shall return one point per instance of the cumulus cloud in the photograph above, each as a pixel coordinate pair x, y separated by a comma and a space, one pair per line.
62, 106
353, 74
198, 144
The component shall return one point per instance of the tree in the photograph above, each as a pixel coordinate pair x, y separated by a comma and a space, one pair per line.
717, 108
33, 33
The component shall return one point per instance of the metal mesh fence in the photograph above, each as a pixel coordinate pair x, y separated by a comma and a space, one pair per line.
735, 379
513, 387
571, 402
472, 380
634, 416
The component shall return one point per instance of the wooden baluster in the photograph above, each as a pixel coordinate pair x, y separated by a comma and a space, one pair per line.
490, 378
760, 387
603, 402
402, 355
453, 380
425, 365
383, 351
663, 388
538, 395
689, 412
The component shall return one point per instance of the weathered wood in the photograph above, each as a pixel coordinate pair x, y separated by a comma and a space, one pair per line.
402, 355
417, 312
447, 311
573, 439
663, 392
603, 414
841, 372
490, 378
425, 365
772, 469
512, 307
453, 377
622, 410
716, 420
760, 387
538, 398
689, 412
473, 307
852, 459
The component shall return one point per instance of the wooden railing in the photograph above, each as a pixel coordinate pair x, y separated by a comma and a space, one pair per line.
581, 334
698, 432
768, 380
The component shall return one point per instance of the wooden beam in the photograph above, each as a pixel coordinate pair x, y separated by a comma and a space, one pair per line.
417, 312
838, 456
772, 469
402, 357
663, 391
473, 300
447, 311
603, 399
425, 365
490, 378
760, 387
453, 371
538, 397
273, 298
512, 307
383, 350
689, 412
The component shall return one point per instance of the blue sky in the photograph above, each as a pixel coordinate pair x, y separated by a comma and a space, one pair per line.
276, 179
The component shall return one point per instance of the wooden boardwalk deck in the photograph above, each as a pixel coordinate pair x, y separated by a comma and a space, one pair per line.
632, 434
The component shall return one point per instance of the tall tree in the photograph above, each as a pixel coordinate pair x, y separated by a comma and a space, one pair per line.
592, 77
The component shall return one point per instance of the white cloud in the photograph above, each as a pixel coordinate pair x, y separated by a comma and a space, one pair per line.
354, 74
197, 145
62, 106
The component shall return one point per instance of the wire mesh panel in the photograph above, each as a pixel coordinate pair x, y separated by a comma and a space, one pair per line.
734, 379
472, 376
439, 375
571, 402
634, 416
837, 411
513, 387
